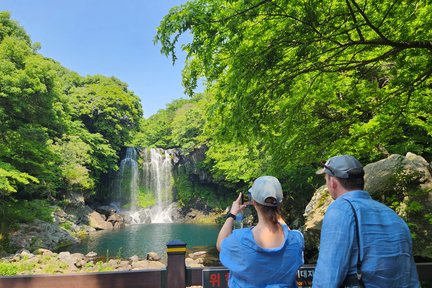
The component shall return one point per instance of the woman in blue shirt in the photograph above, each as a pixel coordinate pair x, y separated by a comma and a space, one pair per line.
268, 254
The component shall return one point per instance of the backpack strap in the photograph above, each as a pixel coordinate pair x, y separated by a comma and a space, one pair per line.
359, 262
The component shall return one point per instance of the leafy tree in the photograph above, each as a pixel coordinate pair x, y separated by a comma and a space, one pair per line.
58, 131
10, 28
74, 156
312, 78
10, 176
189, 122
106, 106
157, 130
27, 94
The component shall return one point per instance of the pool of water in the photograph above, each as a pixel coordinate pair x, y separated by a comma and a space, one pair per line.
141, 239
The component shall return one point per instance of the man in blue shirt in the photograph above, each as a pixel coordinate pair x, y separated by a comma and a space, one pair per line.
385, 258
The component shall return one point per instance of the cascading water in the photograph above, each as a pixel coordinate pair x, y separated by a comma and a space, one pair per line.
126, 183
157, 176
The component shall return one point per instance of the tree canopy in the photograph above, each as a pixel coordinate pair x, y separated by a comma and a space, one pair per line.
291, 83
59, 131
309, 79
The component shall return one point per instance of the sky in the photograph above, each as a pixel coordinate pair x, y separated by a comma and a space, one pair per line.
108, 37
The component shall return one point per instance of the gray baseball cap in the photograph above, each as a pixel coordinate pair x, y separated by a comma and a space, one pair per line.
265, 187
343, 166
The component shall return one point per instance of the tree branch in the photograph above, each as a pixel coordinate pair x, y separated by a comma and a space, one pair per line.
241, 12
388, 12
362, 13
355, 20
401, 45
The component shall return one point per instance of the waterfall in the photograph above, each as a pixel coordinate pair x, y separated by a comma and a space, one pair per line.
157, 176
125, 192
153, 181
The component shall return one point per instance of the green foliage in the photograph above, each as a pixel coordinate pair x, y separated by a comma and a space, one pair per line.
407, 198
52, 268
240, 164
311, 79
14, 212
11, 269
188, 124
298, 186
11, 177
181, 125
156, 131
48, 265
8, 269
192, 194
27, 94
66, 225
106, 106
9, 27
59, 131
103, 268
23, 211
291, 83
74, 155
184, 189
145, 199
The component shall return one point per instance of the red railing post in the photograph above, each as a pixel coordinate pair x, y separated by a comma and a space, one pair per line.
176, 267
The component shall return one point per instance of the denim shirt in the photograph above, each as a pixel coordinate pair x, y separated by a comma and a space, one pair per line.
385, 245
251, 265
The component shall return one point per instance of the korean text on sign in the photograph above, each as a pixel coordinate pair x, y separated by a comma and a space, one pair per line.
215, 278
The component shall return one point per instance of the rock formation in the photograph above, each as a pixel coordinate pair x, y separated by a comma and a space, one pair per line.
403, 183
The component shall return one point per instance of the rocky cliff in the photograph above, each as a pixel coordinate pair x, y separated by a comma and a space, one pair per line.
403, 183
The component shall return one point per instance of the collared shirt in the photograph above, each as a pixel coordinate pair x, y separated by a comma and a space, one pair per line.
385, 245
251, 265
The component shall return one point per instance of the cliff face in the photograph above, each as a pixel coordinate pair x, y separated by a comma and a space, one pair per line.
403, 183
192, 164
194, 187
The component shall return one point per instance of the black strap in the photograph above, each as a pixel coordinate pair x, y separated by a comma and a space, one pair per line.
231, 215
359, 262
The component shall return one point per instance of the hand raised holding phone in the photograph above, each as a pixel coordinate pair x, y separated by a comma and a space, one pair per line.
246, 199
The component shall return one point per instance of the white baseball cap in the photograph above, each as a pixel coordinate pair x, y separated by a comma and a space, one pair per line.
265, 187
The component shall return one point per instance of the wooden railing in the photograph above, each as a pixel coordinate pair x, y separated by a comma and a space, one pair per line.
176, 275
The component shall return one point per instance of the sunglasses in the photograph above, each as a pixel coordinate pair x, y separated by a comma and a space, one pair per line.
333, 173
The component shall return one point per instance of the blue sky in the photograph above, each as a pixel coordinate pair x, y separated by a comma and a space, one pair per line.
108, 37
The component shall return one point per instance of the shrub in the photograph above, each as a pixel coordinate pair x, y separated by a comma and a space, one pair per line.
8, 269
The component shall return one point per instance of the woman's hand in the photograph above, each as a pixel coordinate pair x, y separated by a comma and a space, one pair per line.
226, 229
236, 206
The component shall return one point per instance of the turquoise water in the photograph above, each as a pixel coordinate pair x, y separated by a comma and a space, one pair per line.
141, 239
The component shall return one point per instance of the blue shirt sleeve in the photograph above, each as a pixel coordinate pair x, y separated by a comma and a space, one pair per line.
336, 242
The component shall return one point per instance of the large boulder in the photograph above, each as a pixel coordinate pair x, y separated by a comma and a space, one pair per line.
40, 234
96, 221
398, 175
116, 220
403, 183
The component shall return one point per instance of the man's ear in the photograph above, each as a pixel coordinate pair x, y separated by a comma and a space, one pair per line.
333, 182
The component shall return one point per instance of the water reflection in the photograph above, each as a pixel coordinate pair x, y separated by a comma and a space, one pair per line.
141, 239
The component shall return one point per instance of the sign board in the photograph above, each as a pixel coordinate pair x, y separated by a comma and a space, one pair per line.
304, 276
218, 277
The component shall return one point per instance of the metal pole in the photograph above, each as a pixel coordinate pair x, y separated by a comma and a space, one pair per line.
176, 268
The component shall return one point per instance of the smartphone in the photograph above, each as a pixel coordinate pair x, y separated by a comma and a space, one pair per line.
246, 198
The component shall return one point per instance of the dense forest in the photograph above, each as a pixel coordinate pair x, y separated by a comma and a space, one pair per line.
287, 85
291, 84
59, 131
